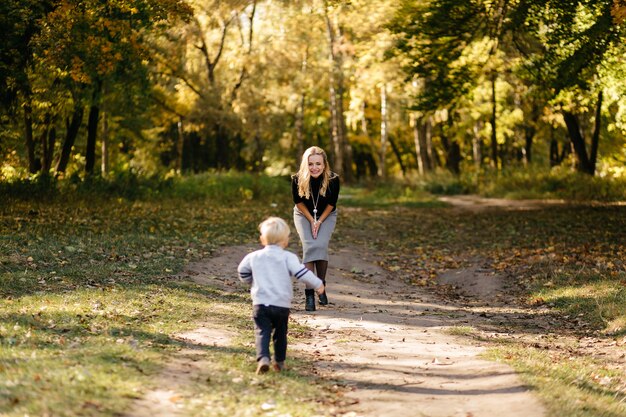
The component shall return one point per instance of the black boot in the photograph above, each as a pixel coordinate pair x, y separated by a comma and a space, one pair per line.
323, 298
309, 304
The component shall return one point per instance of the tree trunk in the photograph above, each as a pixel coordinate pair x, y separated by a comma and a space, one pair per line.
595, 139
92, 135
423, 144
71, 132
44, 140
368, 159
342, 162
529, 135
105, 145
477, 146
382, 168
180, 145
420, 150
92, 129
452, 149
398, 155
578, 143
48, 141
300, 124
554, 151
343, 137
453, 160
431, 160
28, 137
494, 136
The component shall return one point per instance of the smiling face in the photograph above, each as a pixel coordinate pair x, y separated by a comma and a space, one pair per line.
316, 165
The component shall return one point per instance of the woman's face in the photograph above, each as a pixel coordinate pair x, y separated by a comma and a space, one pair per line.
316, 165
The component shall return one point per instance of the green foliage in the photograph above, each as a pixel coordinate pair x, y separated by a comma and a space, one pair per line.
557, 183
444, 183
392, 193
229, 187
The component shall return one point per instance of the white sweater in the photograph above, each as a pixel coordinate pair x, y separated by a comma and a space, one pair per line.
269, 271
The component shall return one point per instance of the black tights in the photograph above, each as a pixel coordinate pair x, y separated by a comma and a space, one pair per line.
319, 267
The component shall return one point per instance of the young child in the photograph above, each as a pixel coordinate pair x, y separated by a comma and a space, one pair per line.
269, 271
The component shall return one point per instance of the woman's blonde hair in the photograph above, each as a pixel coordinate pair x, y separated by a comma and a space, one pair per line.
304, 176
274, 231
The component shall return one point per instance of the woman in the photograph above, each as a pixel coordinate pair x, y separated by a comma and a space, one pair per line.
315, 190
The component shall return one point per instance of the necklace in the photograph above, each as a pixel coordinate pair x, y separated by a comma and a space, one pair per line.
315, 202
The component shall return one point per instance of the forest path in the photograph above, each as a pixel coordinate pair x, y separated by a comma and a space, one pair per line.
385, 340
391, 343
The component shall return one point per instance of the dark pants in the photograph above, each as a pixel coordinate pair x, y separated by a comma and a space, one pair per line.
266, 319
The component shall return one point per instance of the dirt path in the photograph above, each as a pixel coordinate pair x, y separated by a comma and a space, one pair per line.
385, 340
389, 342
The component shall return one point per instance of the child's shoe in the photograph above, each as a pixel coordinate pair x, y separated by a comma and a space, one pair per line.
263, 366
279, 366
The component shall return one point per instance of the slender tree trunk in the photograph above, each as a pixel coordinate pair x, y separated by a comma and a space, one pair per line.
431, 160
420, 150
92, 130
334, 103
578, 143
529, 135
372, 154
494, 136
52, 139
398, 154
346, 149
300, 124
28, 137
554, 151
48, 139
92, 136
382, 167
301, 106
71, 132
477, 146
180, 145
595, 139
342, 163
104, 166
452, 149
43, 139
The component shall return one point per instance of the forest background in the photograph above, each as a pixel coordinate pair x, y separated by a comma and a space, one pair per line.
132, 133
391, 89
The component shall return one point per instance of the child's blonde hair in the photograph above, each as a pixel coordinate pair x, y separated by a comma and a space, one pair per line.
274, 231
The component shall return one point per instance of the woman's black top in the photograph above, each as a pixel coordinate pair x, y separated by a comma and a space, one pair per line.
332, 194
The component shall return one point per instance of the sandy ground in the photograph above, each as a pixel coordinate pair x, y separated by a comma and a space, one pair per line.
384, 340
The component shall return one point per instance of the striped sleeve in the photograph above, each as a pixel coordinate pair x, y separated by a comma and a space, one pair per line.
301, 272
298, 270
244, 270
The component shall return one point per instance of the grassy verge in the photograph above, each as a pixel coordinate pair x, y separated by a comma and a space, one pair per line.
89, 302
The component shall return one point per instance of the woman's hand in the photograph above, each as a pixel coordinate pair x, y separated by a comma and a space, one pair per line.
315, 227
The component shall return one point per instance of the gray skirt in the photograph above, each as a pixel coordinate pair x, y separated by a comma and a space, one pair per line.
314, 249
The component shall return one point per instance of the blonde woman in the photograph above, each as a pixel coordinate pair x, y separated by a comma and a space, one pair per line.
315, 190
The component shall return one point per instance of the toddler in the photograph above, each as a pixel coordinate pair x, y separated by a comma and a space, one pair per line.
269, 272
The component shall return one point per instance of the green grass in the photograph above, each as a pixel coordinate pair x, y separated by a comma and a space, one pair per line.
89, 303
598, 296
557, 183
568, 385
391, 194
